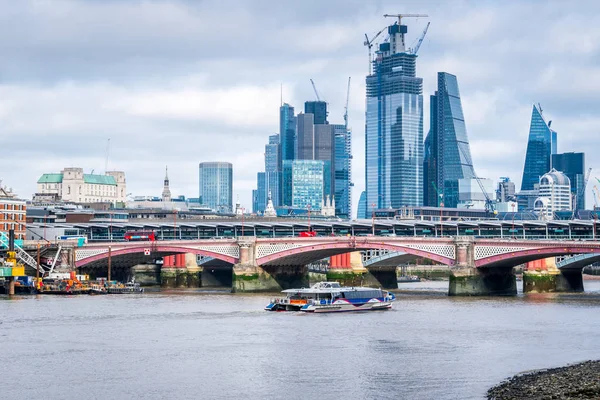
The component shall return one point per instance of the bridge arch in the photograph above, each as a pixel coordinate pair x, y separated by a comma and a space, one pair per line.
312, 252
136, 253
518, 257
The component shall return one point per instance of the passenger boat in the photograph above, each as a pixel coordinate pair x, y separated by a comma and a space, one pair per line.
126, 288
331, 297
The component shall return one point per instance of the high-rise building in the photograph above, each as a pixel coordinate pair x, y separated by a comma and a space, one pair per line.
448, 156
540, 147
343, 171
306, 183
394, 126
261, 192
361, 212
318, 109
554, 194
506, 190
573, 166
305, 137
273, 170
216, 186
287, 133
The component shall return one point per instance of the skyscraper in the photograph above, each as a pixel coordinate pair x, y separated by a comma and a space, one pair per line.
216, 186
306, 183
318, 109
540, 147
394, 126
261, 192
287, 132
447, 152
573, 166
273, 170
343, 171
361, 212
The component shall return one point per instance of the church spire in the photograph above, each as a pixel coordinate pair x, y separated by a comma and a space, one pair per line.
166, 193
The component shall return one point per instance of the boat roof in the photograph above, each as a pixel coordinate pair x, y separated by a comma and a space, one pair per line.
328, 287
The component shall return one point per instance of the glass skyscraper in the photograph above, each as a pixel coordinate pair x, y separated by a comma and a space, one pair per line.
318, 109
540, 147
307, 184
273, 170
573, 166
343, 171
216, 186
261, 192
447, 151
394, 126
287, 132
361, 212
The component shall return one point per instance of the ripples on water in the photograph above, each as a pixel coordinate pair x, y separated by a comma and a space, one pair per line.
203, 345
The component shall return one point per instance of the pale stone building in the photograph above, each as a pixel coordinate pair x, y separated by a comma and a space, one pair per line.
72, 185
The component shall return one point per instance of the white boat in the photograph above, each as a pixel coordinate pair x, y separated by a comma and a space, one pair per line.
331, 297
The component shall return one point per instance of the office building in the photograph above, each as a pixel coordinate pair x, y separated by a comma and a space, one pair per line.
343, 171
394, 126
542, 143
506, 190
318, 109
306, 183
72, 185
470, 194
273, 170
287, 133
261, 193
448, 155
573, 166
361, 212
554, 194
216, 186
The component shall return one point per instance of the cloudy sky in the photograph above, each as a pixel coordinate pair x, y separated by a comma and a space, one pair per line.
180, 82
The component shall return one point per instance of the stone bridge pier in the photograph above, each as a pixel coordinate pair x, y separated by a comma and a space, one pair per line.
468, 280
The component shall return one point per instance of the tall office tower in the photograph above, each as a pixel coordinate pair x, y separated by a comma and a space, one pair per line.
306, 183
343, 171
394, 126
448, 143
573, 166
273, 170
287, 133
361, 212
216, 186
431, 194
541, 145
255, 209
318, 109
261, 192
316, 142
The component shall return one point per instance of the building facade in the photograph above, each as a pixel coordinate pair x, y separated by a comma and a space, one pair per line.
470, 194
72, 185
343, 171
448, 155
542, 143
13, 214
394, 126
361, 212
216, 186
573, 166
287, 133
506, 190
318, 109
554, 194
306, 183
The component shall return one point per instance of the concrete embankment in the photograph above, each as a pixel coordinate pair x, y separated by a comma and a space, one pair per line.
573, 382
429, 272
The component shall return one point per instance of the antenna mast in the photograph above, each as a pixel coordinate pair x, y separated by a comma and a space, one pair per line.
107, 153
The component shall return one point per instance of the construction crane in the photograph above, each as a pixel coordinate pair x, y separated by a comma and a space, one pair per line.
489, 203
400, 16
315, 89
439, 194
416, 49
346, 108
581, 192
369, 43
596, 196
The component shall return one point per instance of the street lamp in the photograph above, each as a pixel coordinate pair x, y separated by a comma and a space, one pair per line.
174, 224
308, 208
441, 214
243, 210
513, 220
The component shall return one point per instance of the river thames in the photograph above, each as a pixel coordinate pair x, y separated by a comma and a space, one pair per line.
216, 345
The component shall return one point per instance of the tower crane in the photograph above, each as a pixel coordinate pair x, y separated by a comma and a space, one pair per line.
489, 203
315, 89
416, 49
346, 108
400, 16
369, 43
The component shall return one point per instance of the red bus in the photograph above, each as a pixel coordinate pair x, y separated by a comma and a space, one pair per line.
139, 236
307, 234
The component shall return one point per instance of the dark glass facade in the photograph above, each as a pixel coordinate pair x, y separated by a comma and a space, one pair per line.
318, 109
287, 132
540, 147
216, 186
361, 212
573, 166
